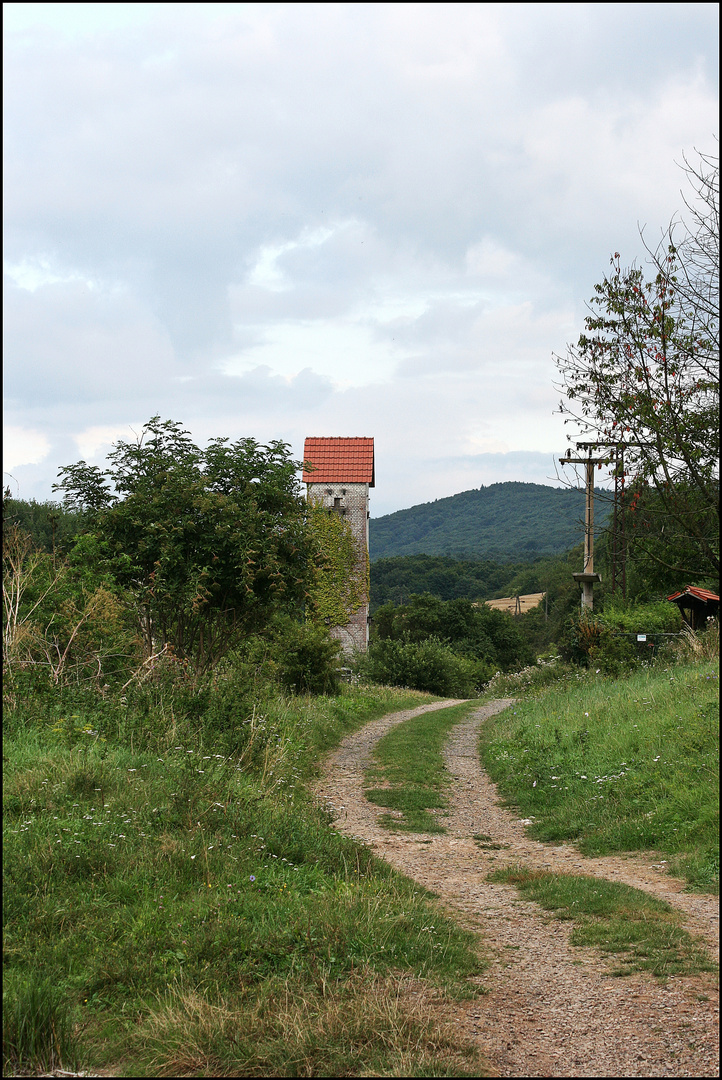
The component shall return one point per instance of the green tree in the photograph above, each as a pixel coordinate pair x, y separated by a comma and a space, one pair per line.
474, 631
645, 373
210, 544
51, 526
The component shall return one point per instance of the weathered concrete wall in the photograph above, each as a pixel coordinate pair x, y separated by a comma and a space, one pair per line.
352, 502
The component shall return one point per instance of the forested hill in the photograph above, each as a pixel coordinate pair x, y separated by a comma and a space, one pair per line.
502, 521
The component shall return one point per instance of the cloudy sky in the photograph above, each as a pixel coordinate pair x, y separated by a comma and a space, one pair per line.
348, 219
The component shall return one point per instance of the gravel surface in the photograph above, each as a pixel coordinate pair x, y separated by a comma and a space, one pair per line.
549, 1009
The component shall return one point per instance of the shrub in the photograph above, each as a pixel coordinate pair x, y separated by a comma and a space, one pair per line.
608, 640
532, 680
658, 616
428, 665
307, 659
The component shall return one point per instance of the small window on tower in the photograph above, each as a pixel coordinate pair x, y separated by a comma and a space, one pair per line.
336, 501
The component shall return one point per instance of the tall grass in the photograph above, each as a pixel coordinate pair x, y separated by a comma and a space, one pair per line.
38, 1033
366, 1026
162, 861
624, 765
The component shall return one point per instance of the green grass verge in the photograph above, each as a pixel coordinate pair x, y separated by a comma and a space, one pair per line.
639, 931
410, 758
195, 913
624, 765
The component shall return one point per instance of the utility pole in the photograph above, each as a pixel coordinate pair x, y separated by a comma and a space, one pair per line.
587, 576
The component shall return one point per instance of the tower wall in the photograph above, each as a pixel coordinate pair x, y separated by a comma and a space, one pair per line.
352, 501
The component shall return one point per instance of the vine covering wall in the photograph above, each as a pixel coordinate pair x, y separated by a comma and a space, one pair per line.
341, 584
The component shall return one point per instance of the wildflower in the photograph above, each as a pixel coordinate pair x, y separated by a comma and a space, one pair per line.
252, 878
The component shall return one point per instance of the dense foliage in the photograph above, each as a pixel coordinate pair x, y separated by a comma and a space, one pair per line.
446, 647
61, 621
51, 526
620, 636
208, 543
503, 521
661, 557
395, 579
341, 571
172, 555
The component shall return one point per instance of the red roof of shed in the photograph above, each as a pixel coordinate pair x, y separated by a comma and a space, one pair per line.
692, 590
339, 461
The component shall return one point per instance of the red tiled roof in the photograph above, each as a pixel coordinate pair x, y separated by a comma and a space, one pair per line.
338, 461
692, 590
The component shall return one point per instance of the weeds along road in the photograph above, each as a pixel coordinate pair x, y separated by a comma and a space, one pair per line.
548, 1009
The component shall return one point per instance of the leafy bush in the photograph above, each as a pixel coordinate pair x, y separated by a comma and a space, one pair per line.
656, 617
473, 631
60, 624
608, 640
212, 544
307, 659
424, 665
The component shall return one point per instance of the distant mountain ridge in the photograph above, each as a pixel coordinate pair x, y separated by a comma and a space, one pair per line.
511, 520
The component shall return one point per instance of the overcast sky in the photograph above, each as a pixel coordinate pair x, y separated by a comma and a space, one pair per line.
351, 219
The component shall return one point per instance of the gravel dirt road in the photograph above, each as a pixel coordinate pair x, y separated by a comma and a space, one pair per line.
549, 1009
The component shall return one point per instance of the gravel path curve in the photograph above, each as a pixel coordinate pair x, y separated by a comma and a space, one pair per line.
549, 1009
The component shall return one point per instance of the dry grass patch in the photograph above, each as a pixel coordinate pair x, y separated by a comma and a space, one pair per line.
367, 1026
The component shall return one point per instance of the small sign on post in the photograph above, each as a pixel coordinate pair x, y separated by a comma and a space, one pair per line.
641, 637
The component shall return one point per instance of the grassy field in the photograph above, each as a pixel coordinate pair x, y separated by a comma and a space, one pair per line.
410, 759
186, 910
175, 904
624, 765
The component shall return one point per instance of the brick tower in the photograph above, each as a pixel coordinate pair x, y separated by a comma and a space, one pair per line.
340, 475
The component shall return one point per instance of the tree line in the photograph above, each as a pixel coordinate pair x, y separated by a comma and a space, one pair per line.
179, 551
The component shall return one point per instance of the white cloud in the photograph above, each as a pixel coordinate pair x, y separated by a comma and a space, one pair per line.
32, 274
344, 351
23, 446
95, 442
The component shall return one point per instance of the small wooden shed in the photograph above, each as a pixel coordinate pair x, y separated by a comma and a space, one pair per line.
696, 605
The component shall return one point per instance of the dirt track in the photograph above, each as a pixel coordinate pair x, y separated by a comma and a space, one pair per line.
550, 1009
